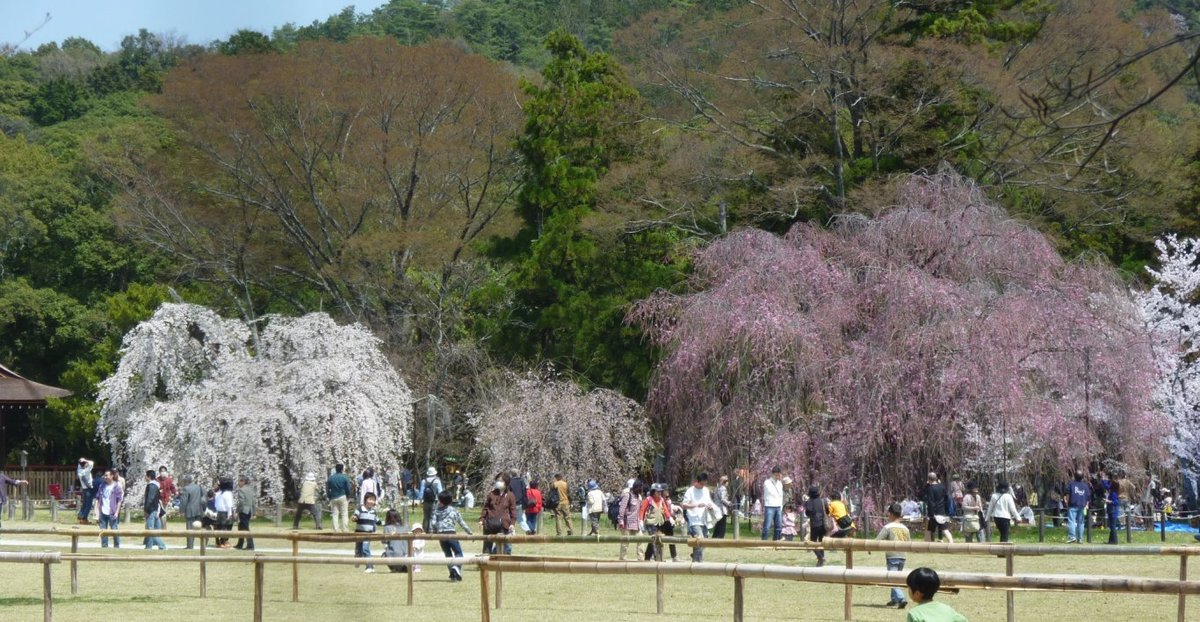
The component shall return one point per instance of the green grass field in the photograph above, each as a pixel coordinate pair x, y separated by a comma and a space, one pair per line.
171, 591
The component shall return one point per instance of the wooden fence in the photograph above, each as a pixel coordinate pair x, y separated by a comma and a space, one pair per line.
1010, 582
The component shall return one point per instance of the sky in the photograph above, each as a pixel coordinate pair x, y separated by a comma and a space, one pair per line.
106, 22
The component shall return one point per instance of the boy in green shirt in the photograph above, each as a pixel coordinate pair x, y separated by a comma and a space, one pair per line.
923, 583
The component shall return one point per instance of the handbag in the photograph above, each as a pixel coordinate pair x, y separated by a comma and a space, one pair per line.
493, 525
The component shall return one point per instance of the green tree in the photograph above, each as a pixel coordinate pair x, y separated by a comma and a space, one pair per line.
58, 100
576, 276
246, 42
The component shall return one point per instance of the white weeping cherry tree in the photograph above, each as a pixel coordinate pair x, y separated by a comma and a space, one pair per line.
193, 392
1172, 313
539, 423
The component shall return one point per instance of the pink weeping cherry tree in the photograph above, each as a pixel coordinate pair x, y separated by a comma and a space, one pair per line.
940, 335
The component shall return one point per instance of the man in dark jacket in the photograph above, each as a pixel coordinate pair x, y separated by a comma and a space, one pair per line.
518, 488
191, 504
152, 508
247, 502
4, 483
937, 505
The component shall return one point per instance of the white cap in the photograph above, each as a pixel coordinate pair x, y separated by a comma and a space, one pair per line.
430, 472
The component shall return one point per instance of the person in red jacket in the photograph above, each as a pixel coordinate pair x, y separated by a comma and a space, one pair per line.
656, 516
533, 507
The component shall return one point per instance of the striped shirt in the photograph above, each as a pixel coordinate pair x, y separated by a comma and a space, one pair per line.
365, 519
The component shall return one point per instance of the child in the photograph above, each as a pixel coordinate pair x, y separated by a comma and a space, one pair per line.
841, 516
418, 545
789, 522
445, 519
895, 531
394, 523
364, 522
923, 583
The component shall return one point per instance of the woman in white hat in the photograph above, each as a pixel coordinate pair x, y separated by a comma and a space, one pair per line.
428, 493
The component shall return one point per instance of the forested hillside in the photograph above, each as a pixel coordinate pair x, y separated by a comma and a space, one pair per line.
491, 185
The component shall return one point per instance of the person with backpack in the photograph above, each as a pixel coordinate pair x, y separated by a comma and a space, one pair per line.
430, 490
533, 507
656, 516
558, 500
814, 509
629, 522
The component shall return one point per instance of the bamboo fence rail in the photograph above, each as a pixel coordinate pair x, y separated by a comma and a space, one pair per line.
849, 577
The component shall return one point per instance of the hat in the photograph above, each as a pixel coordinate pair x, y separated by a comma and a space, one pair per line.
592, 485
309, 477
417, 527
430, 472
787, 480
657, 487
629, 484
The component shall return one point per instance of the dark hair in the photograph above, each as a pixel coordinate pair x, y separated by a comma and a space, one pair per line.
835, 495
972, 486
638, 488
925, 581
151, 473
533, 483
393, 518
894, 509
369, 472
814, 491
776, 469
339, 467
1002, 487
369, 496
444, 497
702, 476
558, 476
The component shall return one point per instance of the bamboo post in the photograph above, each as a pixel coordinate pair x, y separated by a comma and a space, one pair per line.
1128, 527
1180, 616
74, 564
295, 570
203, 567
258, 590
278, 514
659, 602
848, 609
410, 584
1162, 530
499, 588
1010, 603
47, 597
484, 614
739, 598
53, 511
1087, 524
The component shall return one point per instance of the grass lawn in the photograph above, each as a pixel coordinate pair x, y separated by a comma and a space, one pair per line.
138, 591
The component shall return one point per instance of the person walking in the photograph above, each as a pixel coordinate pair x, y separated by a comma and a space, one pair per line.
247, 503
337, 490
1002, 509
519, 489
109, 499
1112, 506
1079, 494
655, 515
595, 507
429, 493
725, 504
937, 509
224, 504
533, 507
498, 516
368, 486
818, 523
308, 501
972, 506
628, 521
83, 473
772, 504
559, 500
895, 531
191, 504
696, 504
152, 508
446, 519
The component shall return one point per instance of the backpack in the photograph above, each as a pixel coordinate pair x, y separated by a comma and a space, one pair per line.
614, 511
430, 495
552, 500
